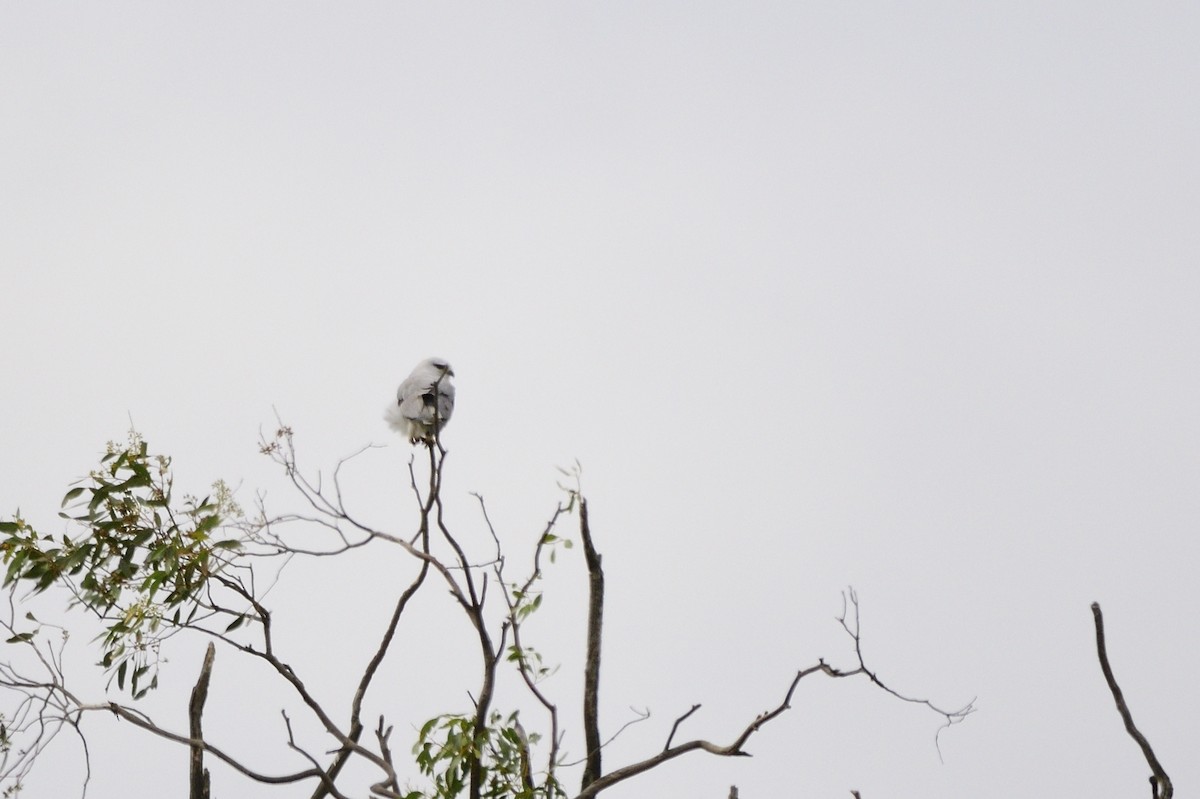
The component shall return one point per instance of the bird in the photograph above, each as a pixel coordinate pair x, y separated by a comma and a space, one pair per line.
424, 402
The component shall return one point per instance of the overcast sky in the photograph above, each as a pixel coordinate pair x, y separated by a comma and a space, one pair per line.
893, 295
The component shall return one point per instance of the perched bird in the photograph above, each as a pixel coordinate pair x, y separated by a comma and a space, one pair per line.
424, 401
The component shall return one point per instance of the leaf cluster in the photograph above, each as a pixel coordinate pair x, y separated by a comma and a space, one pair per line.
448, 745
141, 561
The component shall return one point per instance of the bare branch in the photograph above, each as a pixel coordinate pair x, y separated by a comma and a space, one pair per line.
1160, 783
199, 774
737, 747
382, 736
952, 716
140, 720
591, 669
639, 717
675, 726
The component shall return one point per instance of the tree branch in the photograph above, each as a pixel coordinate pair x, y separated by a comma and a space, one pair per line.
675, 726
199, 774
138, 720
737, 747
383, 736
952, 716
591, 669
1160, 783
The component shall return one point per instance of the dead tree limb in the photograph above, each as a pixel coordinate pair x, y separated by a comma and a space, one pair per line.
1160, 783
675, 726
737, 747
199, 774
734, 749
591, 669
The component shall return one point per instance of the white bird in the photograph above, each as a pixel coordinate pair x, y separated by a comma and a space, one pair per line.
424, 401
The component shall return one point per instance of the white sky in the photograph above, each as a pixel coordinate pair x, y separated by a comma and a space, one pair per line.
899, 296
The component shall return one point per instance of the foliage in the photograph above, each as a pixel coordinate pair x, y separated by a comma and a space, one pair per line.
446, 748
140, 561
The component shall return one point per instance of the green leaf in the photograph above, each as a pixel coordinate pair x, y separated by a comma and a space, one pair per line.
133, 682
14, 568
207, 524
72, 494
20, 638
427, 728
8, 527
46, 581
77, 557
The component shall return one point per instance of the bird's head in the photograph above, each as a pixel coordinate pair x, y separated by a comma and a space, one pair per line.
441, 364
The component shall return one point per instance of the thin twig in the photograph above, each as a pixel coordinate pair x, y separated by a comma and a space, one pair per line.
675, 726
952, 716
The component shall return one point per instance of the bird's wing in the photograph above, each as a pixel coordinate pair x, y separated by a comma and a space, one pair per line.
445, 399
418, 407
408, 396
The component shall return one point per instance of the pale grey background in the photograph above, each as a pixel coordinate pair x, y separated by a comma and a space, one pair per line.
894, 295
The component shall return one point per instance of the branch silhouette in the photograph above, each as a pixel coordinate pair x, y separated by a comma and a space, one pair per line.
1160, 783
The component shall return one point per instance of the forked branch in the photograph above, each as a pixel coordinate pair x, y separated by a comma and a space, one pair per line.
736, 748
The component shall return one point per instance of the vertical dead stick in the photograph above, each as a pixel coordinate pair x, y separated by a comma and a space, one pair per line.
591, 669
199, 775
1160, 783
